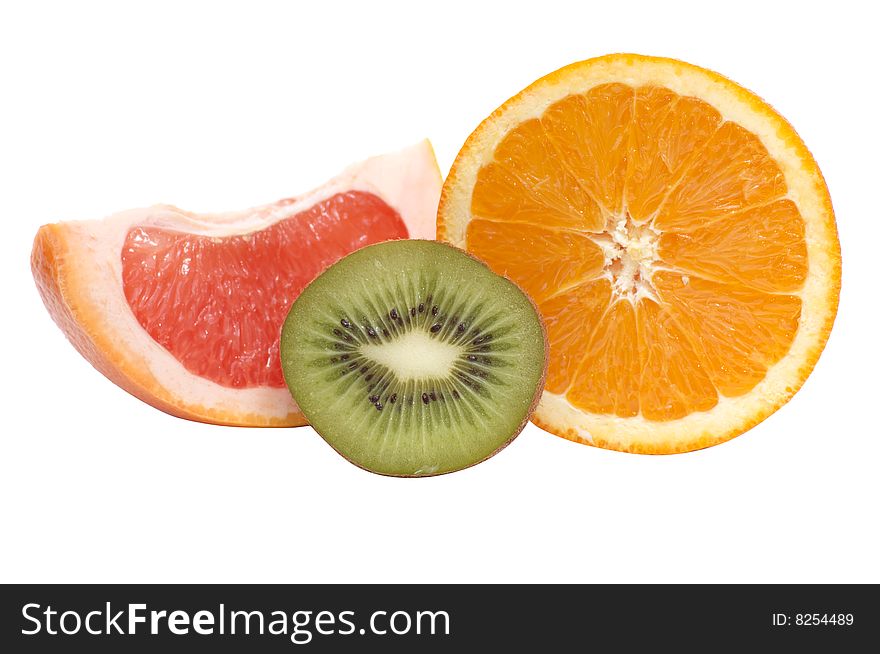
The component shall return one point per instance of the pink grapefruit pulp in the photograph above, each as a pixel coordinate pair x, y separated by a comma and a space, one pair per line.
217, 304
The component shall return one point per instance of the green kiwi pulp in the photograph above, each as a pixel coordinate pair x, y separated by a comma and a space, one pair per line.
412, 358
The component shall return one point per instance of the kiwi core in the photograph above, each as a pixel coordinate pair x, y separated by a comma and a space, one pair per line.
435, 358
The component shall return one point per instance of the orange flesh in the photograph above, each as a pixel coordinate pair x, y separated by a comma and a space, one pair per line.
658, 243
217, 304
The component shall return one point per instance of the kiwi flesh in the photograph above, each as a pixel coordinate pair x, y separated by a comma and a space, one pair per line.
412, 358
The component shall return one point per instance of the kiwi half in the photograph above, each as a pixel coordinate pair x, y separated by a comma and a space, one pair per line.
412, 358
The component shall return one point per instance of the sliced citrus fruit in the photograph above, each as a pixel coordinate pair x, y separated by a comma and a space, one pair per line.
184, 310
677, 236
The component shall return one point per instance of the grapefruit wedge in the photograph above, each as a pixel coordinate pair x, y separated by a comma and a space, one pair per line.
184, 310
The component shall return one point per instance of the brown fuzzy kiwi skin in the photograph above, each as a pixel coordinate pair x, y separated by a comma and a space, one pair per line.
539, 389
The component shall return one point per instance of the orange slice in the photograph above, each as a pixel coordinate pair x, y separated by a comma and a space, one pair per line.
677, 236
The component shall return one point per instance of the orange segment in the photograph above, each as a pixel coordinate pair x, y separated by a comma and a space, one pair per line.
673, 384
608, 379
738, 332
568, 318
591, 134
732, 172
667, 132
526, 183
763, 248
556, 259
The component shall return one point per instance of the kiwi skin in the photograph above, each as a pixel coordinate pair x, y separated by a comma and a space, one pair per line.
539, 387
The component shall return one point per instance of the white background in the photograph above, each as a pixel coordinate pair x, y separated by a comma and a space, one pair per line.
213, 107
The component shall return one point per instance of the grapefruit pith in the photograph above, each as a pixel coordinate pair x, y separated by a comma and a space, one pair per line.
184, 310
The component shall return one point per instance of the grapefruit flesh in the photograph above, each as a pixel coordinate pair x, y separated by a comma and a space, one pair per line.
184, 310
217, 304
